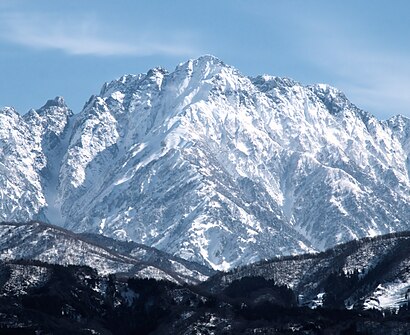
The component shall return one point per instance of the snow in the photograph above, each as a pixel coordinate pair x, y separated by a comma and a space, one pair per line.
390, 296
119, 96
35, 241
372, 232
102, 225
217, 167
22, 278
318, 301
155, 273
337, 203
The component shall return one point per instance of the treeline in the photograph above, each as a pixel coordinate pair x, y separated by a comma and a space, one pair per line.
73, 299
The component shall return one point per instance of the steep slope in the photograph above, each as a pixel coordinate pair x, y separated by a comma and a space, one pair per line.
173, 183
213, 166
46, 243
51, 127
19, 181
219, 168
31, 150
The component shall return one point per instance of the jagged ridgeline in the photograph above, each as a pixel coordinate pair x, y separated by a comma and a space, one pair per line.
209, 165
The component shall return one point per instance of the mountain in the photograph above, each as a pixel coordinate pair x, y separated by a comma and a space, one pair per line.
209, 165
31, 148
38, 297
36, 241
41, 298
371, 273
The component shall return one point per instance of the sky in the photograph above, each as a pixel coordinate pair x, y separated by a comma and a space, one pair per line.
70, 48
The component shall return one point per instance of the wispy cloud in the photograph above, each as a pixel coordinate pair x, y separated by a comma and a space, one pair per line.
378, 79
343, 45
88, 36
374, 76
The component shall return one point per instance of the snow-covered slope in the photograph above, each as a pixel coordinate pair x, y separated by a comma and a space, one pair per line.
216, 167
31, 149
46, 243
369, 273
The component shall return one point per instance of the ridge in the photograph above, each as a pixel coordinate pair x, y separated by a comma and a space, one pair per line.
210, 165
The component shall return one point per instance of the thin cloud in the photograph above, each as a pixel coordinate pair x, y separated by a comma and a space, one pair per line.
374, 73
86, 36
374, 78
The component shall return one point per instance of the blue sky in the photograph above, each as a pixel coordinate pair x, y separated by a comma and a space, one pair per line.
70, 48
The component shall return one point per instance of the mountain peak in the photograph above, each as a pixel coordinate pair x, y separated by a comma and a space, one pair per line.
208, 59
9, 111
204, 59
205, 64
53, 111
266, 83
157, 71
334, 99
399, 119
327, 90
56, 102
213, 166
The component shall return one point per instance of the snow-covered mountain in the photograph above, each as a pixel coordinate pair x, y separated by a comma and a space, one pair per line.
209, 165
54, 245
31, 149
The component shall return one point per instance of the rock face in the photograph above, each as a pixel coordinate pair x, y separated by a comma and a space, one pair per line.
209, 165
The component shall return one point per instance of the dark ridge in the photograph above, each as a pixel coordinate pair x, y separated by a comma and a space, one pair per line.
331, 251
119, 249
76, 300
